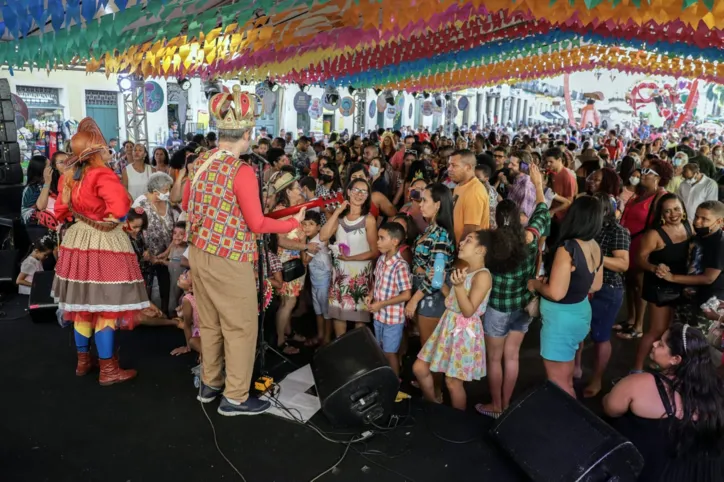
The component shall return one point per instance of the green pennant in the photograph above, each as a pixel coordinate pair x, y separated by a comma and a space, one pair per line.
590, 4
154, 7
689, 3
709, 4
637, 3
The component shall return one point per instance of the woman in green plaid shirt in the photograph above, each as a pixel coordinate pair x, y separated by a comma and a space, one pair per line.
506, 320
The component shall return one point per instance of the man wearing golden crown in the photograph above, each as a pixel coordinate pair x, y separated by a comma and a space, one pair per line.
224, 219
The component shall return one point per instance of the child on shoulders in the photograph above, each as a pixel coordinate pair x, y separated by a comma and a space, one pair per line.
392, 289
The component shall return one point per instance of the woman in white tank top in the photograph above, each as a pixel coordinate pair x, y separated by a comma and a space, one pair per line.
135, 175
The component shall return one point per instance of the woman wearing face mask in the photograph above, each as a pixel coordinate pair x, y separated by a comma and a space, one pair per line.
627, 172
664, 247
137, 174
380, 202
412, 208
380, 182
328, 180
638, 217
679, 161
158, 236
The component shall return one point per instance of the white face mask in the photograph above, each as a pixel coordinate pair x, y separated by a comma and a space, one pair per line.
690, 181
634, 180
374, 170
164, 196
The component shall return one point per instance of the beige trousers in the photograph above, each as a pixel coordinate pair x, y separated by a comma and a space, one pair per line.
225, 294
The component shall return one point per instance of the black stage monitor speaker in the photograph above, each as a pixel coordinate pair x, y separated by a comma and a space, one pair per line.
8, 132
7, 111
554, 438
11, 173
5, 93
41, 305
10, 153
355, 384
9, 269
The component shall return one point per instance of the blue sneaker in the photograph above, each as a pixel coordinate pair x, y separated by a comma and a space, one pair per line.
207, 394
252, 406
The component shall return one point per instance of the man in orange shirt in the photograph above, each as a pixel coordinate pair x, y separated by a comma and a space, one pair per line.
472, 199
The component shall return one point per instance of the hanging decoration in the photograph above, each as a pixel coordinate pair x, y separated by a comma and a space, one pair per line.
346, 106
435, 44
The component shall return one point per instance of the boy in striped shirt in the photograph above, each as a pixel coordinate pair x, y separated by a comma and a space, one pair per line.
392, 289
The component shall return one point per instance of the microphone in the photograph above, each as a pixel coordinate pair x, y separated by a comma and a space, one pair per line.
259, 158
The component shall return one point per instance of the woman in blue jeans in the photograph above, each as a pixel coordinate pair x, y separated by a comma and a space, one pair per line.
614, 241
574, 271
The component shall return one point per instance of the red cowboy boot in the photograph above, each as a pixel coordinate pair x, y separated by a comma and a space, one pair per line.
86, 363
111, 373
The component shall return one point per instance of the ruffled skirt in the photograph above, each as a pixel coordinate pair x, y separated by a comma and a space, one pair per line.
98, 279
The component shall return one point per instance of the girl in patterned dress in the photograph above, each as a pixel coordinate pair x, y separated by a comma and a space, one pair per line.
457, 346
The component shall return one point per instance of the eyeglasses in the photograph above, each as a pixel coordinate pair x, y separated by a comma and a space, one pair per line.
646, 171
356, 190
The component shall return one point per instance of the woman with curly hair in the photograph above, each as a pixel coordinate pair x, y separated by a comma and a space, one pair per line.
506, 321
638, 217
674, 415
98, 283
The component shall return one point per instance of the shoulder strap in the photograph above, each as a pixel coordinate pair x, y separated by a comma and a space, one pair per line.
202, 169
665, 399
665, 237
687, 226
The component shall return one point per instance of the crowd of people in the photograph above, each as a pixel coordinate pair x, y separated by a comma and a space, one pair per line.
462, 240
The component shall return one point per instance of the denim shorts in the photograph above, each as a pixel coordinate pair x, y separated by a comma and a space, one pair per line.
432, 305
320, 292
605, 305
498, 324
389, 336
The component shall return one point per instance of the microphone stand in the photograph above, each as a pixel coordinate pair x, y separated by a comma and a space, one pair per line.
261, 248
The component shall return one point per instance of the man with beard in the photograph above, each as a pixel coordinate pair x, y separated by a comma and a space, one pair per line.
520, 188
500, 177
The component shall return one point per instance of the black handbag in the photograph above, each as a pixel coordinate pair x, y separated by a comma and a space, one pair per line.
292, 269
667, 294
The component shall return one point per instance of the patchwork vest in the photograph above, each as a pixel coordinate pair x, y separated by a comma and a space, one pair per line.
215, 222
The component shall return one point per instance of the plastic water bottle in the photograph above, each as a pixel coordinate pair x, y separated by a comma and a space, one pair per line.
439, 276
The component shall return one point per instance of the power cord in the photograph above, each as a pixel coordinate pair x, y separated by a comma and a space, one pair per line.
346, 450
437, 435
216, 442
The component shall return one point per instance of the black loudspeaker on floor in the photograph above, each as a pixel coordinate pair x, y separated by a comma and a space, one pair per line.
552, 437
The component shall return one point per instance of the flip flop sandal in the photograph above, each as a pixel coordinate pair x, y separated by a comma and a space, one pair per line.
288, 349
296, 338
488, 413
629, 334
619, 327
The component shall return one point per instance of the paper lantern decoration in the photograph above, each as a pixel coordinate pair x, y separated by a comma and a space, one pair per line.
346, 106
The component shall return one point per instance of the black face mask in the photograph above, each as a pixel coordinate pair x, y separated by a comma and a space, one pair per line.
704, 231
325, 178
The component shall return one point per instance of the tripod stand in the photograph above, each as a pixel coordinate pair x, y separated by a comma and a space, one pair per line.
261, 248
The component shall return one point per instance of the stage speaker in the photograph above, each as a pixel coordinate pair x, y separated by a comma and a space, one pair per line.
5, 93
9, 267
41, 305
554, 438
11, 199
11, 174
8, 132
355, 384
7, 111
9, 153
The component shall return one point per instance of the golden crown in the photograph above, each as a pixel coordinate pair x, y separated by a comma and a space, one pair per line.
235, 110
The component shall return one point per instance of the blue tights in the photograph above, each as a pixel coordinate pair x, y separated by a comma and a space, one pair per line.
104, 343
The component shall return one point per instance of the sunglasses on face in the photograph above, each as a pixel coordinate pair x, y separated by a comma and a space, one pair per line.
646, 171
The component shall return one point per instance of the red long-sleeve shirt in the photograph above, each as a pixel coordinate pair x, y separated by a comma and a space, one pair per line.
246, 191
99, 195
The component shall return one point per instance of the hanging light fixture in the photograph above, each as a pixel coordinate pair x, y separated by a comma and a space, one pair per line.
184, 83
389, 97
351, 90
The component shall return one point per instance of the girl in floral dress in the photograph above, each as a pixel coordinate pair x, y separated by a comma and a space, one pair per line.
356, 233
457, 346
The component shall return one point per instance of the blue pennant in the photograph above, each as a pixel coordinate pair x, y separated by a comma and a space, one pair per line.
72, 12
121, 4
89, 9
38, 13
57, 14
11, 20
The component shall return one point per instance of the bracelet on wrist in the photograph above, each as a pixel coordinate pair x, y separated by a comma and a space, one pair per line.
46, 186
